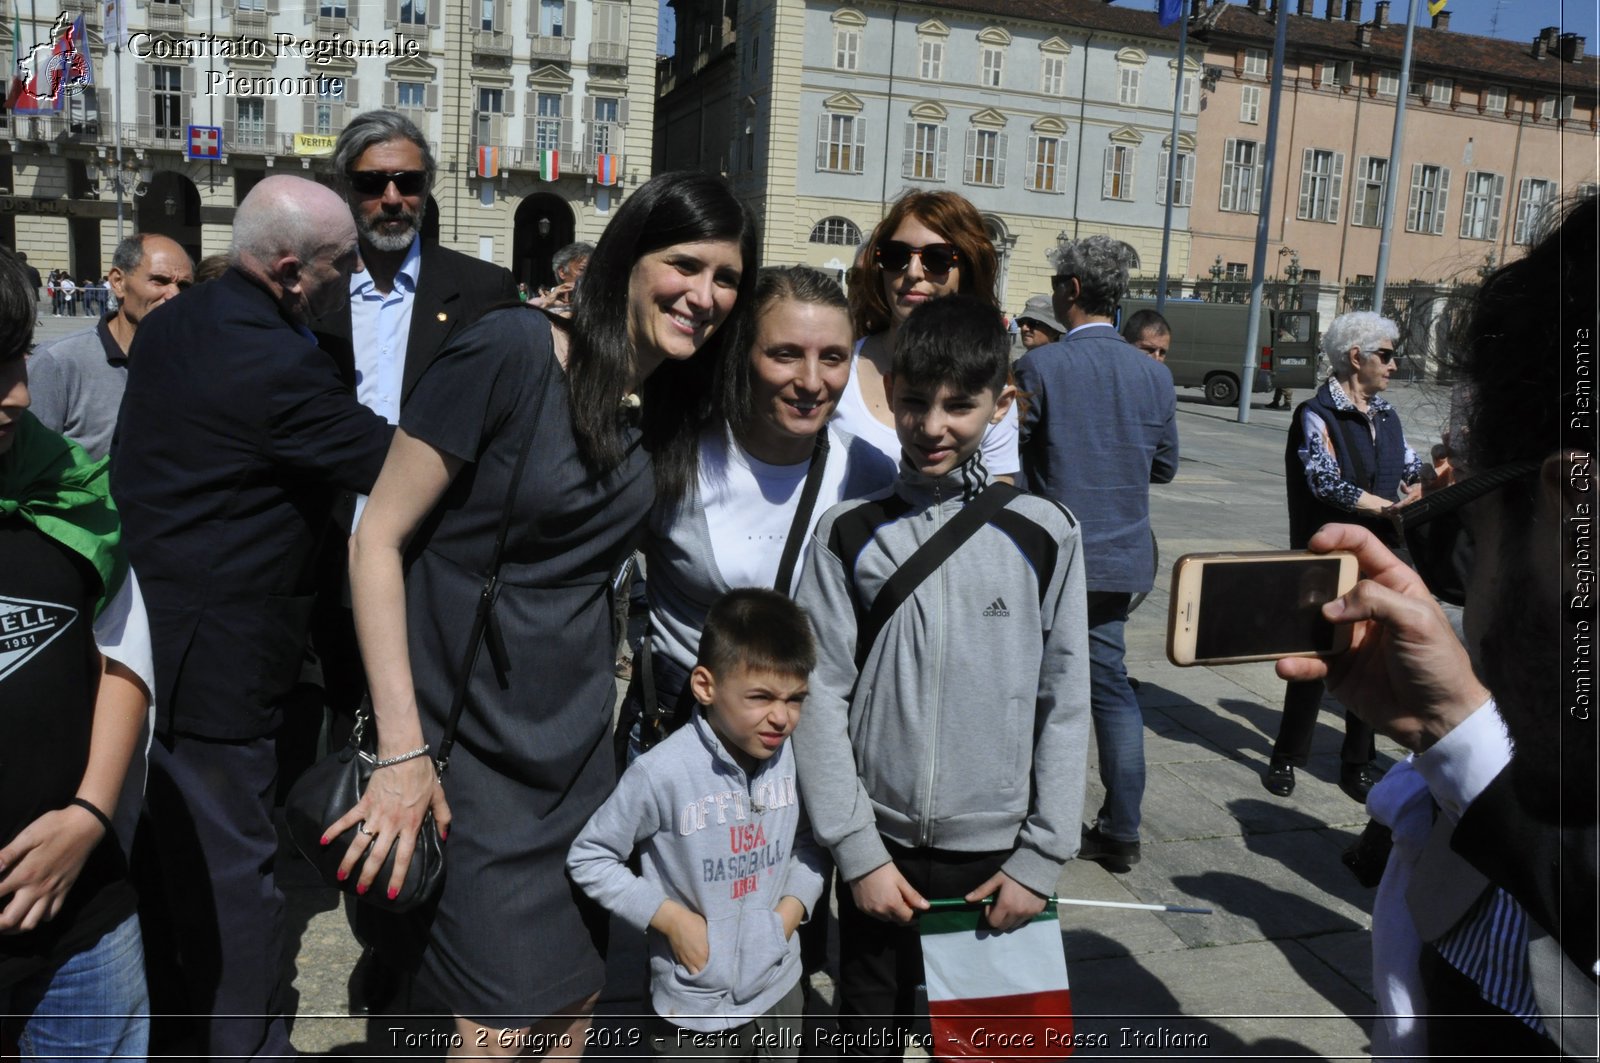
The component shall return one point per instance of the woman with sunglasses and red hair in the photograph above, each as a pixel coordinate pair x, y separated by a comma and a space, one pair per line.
929, 244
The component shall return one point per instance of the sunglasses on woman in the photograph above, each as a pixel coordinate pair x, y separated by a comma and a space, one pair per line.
1385, 354
376, 182
1431, 528
894, 256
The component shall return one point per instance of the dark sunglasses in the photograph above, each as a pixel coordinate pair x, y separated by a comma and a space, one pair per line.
894, 256
1432, 531
376, 182
1385, 354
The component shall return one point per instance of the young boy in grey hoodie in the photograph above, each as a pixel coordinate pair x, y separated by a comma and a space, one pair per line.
946, 757
728, 865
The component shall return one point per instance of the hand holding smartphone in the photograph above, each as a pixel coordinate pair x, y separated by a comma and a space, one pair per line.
1228, 608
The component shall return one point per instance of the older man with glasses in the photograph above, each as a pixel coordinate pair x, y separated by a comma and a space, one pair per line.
1346, 462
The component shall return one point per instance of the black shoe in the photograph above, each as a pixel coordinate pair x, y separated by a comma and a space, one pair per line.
1357, 780
374, 984
1116, 857
1279, 778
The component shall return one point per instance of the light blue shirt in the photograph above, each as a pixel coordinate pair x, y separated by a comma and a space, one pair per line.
380, 325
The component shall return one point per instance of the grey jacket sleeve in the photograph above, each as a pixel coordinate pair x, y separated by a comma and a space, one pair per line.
1030, 397
48, 386
835, 799
808, 866
1050, 835
598, 858
1164, 465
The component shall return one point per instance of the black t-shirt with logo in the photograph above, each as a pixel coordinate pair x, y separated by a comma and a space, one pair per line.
49, 675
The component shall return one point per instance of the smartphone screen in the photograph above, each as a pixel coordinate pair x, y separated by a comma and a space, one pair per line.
1263, 608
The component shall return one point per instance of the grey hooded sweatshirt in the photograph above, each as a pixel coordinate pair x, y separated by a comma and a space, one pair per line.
967, 727
723, 844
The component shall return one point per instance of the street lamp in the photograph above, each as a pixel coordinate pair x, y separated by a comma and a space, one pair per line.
1216, 280
130, 178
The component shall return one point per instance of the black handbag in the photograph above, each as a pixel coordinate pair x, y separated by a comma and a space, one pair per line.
333, 785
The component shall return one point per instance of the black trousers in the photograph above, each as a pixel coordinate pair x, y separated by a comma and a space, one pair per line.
1301, 702
211, 846
880, 964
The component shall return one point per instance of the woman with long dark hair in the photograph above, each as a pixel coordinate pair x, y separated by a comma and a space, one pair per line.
929, 244
511, 945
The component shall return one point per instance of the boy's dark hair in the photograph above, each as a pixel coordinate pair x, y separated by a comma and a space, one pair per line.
760, 629
17, 309
1143, 321
957, 340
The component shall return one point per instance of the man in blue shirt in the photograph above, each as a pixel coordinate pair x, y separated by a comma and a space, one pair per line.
1100, 426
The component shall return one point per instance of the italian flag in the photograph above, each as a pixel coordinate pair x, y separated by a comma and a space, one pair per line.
549, 165
994, 996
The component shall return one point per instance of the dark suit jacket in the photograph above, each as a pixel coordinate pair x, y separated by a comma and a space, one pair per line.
236, 435
453, 291
1099, 426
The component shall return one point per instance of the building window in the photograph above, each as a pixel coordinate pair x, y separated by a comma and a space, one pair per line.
1128, 78
1117, 180
1250, 104
486, 15
1241, 176
603, 130
333, 9
932, 59
250, 123
1430, 194
1236, 273
1534, 197
846, 47
1388, 83
1191, 99
552, 18
986, 157
836, 230
1185, 180
1046, 164
924, 158
1556, 107
1441, 90
250, 5
1494, 100
1367, 191
491, 101
1255, 63
1325, 76
547, 122
322, 111
1481, 201
994, 62
411, 95
1052, 74
167, 82
841, 143
1321, 183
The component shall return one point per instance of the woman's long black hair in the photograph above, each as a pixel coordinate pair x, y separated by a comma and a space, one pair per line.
672, 208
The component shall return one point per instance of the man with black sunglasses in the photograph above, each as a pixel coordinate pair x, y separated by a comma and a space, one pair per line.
1346, 461
1485, 938
408, 299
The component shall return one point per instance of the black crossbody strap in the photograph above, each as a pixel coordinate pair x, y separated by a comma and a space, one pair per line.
926, 560
802, 515
491, 587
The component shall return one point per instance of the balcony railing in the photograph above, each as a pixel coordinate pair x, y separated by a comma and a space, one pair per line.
550, 49
167, 17
610, 52
491, 42
60, 128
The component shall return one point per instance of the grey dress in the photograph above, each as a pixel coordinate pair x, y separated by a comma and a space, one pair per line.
511, 940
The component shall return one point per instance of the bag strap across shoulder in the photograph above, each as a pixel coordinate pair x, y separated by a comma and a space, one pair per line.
926, 559
802, 515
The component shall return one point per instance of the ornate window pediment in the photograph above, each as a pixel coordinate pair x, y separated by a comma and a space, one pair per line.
929, 112
989, 118
1055, 46
994, 35
1133, 57
1126, 135
844, 102
1050, 125
933, 28
849, 16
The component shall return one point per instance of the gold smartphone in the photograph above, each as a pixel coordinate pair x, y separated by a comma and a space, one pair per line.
1229, 608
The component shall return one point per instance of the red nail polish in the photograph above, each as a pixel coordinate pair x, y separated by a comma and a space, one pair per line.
444, 835
360, 890
343, 874
324, 839
393, 893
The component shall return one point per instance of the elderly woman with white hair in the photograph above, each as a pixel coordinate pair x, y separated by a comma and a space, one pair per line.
1346, 462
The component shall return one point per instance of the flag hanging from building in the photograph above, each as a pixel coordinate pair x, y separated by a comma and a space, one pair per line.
605, 169
1012, 984
488, 160
47, 74
549, 165
1436, 6
14, 85
205, 142
1170, 11
116, 12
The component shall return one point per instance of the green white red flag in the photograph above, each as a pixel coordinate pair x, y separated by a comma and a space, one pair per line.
995, 996
549, 165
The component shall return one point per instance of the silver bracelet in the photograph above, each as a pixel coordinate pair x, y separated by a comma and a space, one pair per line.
402, 758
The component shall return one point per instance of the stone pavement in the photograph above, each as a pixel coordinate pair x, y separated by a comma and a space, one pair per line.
1282, 967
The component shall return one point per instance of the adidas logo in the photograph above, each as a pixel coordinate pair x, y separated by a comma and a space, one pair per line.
997, 608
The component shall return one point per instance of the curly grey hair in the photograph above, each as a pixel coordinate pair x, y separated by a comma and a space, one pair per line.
568, 255
1101, 265
1359, 328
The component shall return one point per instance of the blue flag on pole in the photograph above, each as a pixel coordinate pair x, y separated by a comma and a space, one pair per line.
1170, 11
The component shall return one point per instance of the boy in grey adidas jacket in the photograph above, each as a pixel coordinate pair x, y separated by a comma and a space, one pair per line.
728, 865
947, 757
